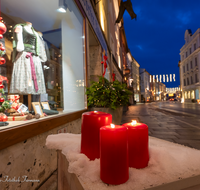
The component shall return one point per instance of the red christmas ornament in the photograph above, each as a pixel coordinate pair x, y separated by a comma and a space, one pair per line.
3, 28
2, 48
2, 61
1, 99
1, 36
1, 86
4, 118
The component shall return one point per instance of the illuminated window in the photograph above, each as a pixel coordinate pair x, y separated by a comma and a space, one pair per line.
185, 95
192, 94
188, 94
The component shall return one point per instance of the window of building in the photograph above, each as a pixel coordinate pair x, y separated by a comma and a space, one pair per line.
55, 43
188, 83
190, 50
191, 79
184, 82
187, 67
186, 95
186, 54
195, 61
192, 94
191, 65
196, 78
183, 69
194, 47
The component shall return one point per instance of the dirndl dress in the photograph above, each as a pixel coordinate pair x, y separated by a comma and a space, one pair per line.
24, 80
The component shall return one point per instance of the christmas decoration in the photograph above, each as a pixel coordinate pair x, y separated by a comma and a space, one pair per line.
3, 117
113, 75
29, 116
37, 116
104, 63
3, 28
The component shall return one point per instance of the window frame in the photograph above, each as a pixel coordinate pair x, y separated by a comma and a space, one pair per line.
20, 132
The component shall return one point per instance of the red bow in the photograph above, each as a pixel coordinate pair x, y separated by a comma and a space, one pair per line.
14, 99
105, 64
113, 75
15, 107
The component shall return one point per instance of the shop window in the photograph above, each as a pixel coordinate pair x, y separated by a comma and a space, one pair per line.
185, 95
45, 55
192, 94
188, 94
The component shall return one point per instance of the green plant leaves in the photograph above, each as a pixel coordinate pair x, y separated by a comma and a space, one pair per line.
107, 94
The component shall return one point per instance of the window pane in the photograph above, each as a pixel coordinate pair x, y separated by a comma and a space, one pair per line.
50, 66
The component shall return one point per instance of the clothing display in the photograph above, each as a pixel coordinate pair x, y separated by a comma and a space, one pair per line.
27, 75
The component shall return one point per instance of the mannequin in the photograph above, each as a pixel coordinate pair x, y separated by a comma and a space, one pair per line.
28, 49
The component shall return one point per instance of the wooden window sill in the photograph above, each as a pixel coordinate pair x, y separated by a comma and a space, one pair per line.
18, 131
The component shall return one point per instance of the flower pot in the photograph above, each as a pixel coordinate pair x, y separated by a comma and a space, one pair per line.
116, 114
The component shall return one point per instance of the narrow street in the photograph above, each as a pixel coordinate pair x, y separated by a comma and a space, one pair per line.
171, 121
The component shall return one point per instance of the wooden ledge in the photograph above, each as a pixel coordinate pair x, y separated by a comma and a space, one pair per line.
13, 135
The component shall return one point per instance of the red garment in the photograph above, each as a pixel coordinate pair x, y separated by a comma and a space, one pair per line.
33, 70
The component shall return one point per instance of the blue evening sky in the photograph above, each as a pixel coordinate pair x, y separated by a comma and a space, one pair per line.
156, 37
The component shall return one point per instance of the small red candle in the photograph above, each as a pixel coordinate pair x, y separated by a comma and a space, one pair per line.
114, 167
138, 146
90, 129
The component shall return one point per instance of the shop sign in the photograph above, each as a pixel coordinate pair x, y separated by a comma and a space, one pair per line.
93, 21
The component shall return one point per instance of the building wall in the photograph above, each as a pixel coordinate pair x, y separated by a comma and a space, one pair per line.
31, 158
189, 65
136, 79
95, 65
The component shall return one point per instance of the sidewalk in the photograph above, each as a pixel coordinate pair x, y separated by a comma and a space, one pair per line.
173, 127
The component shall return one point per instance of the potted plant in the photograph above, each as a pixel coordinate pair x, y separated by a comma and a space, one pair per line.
109, 97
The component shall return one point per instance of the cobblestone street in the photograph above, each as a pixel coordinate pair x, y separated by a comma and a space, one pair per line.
167, 125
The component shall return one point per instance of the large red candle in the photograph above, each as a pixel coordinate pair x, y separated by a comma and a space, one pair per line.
91, 124
114, 167
138, 146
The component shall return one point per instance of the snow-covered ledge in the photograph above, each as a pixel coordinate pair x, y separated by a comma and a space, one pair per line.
171, 166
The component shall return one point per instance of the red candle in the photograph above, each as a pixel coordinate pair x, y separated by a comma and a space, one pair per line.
114, 167
91, 123
138, 148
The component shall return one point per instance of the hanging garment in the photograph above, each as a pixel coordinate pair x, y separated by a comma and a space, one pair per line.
27, 75
127, 5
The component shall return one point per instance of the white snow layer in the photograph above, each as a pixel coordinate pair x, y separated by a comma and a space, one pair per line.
168, 162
